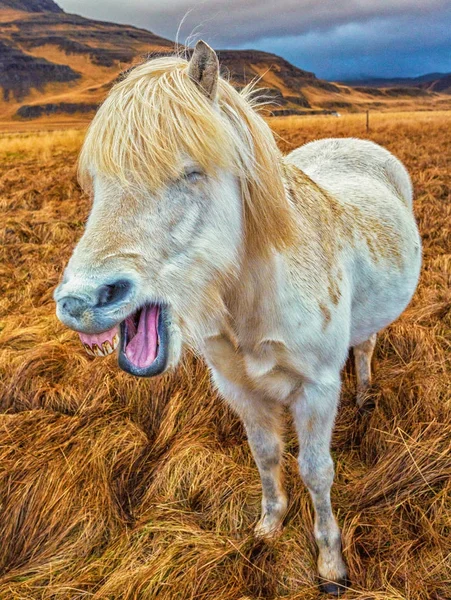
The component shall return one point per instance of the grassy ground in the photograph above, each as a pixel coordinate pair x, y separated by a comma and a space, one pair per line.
116, 488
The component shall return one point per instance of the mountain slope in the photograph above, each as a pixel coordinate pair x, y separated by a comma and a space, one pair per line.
94, 53
19, 72
433, 82
33, 6
50, 56
441, 84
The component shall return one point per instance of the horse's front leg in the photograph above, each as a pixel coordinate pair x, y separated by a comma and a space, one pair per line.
263, 422
314, 413
264, 436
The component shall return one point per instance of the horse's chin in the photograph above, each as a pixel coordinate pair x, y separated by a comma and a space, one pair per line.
142, 341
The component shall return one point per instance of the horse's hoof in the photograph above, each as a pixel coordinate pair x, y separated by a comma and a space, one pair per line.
334, 588
267, 533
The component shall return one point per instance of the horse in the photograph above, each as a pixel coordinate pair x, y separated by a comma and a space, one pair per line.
203, 235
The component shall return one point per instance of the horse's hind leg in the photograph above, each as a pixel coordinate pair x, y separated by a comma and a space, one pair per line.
363, 354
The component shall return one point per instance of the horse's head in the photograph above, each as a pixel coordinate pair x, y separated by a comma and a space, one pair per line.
179, 166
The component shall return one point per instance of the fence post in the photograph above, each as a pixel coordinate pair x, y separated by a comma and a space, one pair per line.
367, 121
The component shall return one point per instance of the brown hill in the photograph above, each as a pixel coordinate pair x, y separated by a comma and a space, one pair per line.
54, 63
431, 82
441, 85
50, 57
33, 6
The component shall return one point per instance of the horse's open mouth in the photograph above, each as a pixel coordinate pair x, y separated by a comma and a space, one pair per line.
142, 339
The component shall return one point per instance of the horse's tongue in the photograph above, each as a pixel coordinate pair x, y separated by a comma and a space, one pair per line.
100, 344
141, 350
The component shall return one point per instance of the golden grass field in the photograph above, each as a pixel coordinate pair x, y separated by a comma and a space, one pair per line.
117, 488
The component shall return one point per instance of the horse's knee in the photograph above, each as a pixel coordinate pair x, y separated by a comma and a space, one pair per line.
269, 458
266, 448
317, 474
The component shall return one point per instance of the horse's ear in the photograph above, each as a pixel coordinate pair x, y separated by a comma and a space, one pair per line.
203, 69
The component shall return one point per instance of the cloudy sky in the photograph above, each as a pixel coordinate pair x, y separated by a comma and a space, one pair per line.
336, 39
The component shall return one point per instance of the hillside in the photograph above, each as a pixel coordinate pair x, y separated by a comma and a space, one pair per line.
53, 58
33, 6
56, 65
441, 85
54, 61
432, 82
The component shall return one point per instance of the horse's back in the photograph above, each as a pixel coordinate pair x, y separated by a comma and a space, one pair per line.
381, 249
335, 162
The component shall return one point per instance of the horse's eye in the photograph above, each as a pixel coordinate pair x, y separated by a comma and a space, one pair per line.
193, 175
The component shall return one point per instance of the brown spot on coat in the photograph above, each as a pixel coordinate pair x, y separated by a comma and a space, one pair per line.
326, 314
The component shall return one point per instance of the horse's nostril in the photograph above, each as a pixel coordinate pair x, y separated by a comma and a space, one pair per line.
113, 292
73, 306
106, 292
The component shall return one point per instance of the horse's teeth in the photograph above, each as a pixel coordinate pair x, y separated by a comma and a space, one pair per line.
107, 348
89, 350
97, 351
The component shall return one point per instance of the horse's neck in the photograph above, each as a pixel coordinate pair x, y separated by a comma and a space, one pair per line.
253, 300
250, 302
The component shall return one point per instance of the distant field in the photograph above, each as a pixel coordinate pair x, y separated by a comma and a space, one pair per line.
295, 130
40, 144
122, 489
44, 124
396, 126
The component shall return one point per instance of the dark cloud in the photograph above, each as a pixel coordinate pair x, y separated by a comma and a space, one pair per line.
335, 39
388, 47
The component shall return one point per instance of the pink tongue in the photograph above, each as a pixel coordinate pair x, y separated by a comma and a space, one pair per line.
99, 338
142, 348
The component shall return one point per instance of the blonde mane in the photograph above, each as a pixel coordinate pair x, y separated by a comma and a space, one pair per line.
156, 115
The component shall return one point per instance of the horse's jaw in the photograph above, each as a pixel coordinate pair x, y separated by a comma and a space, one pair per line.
142, 339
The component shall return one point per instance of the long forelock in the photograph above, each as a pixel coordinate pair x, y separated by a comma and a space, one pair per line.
157, 115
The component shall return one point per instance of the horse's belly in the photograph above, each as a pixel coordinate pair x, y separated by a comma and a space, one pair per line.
381, 294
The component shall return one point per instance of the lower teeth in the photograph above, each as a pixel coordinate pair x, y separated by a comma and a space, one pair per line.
89, 350
106, 349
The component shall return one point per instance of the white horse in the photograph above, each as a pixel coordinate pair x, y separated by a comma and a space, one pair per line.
272, 267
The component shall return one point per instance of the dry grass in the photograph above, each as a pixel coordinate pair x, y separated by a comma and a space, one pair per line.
115, 488
44, 145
